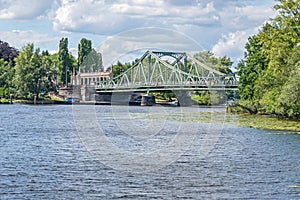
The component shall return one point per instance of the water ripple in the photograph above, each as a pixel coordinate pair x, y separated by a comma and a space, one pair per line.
43, 158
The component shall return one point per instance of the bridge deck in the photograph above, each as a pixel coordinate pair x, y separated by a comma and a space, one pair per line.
168, 88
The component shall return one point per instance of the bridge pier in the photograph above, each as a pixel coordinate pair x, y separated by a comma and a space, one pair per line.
121, 98
148, 100
124, 98
103, 98
184, 98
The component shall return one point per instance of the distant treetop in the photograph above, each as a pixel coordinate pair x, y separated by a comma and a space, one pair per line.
8, 53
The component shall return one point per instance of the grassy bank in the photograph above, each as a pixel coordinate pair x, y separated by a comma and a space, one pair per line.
244, 120
266, 122
4, 101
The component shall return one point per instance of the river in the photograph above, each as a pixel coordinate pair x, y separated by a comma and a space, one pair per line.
54, 152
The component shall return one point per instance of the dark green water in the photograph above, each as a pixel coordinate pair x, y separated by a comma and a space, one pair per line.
44, 157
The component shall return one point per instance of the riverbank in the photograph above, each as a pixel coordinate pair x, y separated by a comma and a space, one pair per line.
42, 102
266, 122
4, 101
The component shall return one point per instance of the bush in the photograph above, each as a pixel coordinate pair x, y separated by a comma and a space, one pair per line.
4, 101
3, 92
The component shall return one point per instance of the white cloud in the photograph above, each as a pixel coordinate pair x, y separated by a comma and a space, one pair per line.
73, 51
87, 16
20, 38
219, 24
231, 45
204, 20
245, 17
23, 9
107, 18
132, 44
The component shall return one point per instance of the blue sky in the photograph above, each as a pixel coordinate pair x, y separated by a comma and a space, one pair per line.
221, 26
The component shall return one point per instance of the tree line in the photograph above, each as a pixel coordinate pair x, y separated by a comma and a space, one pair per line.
30, 71
270, 70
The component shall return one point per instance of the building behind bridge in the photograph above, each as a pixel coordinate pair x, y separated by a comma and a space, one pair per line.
83, 84
90, 78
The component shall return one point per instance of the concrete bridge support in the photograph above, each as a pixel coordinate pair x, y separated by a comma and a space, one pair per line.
184, 98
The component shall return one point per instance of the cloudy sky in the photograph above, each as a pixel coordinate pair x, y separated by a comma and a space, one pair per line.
221, 26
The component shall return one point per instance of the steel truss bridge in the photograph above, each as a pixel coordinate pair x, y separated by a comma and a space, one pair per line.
152, 73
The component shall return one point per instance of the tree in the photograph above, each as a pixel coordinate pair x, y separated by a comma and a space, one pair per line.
4, 70
289, 97
221, 64
5, 78
33, 72
64, 62
7, 56
250, 68
208, 97
118, 68
73, 63
92, 62
48, 73
8, 53
269, 73
84, 49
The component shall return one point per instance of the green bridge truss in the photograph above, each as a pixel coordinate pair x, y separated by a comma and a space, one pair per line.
152, 73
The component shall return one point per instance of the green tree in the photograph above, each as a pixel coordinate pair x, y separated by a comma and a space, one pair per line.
73, 63
27, 74
55, 68
92, 62
7, 56
6, 73
208, 97
221, 64
281, 39
251, 68
84, 49
269, 72
48, 73
289, 96
118, 68
33, 73
64, 62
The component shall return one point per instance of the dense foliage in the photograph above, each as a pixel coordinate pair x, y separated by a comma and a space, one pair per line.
84, 48
5, 77
7, 56
221, 64
89, 60
270, 70
64, 61
31, 72
119, 68
8, 53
